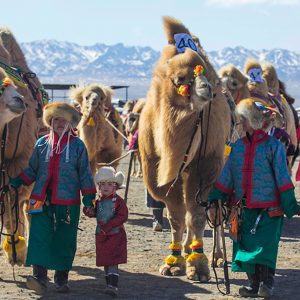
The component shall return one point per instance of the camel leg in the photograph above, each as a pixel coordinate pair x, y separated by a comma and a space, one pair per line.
140, 173
133, 170
218, 259
10, 227
174, 263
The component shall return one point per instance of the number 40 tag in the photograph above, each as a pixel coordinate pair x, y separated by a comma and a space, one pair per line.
184, 40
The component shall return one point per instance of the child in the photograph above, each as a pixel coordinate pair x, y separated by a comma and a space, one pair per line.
111, 212
59, 166
256, 178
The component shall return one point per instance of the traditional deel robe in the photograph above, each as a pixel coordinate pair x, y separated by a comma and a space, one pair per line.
256, 170
58, 180
111, 241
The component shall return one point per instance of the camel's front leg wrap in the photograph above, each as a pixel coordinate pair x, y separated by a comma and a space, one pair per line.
174, 263
197, 262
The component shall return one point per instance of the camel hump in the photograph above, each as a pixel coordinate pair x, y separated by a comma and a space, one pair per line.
173, 26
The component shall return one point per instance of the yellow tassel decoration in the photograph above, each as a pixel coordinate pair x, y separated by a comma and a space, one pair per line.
174, 260
175, 246
91, 122
199, 257
21, 247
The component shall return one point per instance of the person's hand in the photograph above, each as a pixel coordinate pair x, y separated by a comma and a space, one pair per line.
89, 211
105, 228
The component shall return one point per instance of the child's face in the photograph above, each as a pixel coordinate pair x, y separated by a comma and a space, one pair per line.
59, 125
107, 188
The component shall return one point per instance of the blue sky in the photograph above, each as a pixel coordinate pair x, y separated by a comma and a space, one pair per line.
254, 24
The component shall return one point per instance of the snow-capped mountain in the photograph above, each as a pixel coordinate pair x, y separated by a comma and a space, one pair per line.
65, 62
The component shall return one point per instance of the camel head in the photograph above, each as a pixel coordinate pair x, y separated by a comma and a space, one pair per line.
132, 122
11, 102
187, 80
232, 78
270, 76
92, 98
183, 67
128, 107
256, 83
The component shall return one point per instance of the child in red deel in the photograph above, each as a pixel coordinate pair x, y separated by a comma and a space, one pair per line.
111, 213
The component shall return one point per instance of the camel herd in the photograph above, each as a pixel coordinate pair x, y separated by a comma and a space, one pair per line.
183, 125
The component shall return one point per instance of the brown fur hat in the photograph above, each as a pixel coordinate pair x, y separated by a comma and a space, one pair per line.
61, 110
257, 112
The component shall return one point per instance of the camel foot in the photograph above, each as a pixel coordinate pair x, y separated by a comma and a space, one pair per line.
197, 267
165, 270
133, 174
218, 260
140, 175
168, 270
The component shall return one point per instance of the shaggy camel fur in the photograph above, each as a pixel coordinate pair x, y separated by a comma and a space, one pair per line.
102, 142
24, 125
270, 75
235, 82
166, 126
131, 127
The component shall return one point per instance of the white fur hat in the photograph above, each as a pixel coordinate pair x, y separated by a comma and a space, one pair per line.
110, 175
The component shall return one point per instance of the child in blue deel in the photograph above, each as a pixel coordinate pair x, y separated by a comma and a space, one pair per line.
256, 179
60, 170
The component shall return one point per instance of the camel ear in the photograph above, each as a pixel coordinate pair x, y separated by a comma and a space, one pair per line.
75, 93
108, 93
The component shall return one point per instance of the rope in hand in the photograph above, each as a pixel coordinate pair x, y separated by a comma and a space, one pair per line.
214, 224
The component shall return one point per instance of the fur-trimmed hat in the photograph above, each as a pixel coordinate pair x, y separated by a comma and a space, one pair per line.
109, 174
61, 110
257, 112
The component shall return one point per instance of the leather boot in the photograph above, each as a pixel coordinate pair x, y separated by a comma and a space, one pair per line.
252, 289
112, 284
61, 281
266, 288
38, 280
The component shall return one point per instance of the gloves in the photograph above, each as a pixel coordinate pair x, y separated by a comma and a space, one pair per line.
89, 211
87, 200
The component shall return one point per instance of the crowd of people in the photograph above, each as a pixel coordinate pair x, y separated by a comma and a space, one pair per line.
255, 178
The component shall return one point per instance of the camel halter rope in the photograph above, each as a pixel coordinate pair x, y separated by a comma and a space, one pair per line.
24, 79
5, 196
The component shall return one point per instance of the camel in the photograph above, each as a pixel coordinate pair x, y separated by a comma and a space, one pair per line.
270, 75
21, 136
131, 130
234, 81
103, 143
184, 92
235, 84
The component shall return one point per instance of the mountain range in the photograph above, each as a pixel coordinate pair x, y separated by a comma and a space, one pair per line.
66, 62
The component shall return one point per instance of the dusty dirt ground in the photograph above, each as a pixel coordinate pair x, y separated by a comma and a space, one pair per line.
139, 278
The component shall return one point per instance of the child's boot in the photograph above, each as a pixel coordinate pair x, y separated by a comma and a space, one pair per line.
38, 280
266, 288
61, 281
252, 289
112, 285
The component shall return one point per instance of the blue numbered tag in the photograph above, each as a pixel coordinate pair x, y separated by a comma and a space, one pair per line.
184, 40
255, 75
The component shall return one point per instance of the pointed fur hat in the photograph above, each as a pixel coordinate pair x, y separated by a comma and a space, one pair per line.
61, 110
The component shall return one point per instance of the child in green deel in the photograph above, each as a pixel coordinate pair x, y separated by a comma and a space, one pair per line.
256, 179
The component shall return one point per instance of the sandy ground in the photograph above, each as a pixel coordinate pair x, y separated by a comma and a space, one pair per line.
139, 278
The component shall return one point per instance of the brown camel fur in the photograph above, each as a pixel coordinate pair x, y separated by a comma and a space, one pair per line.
260, 90
102, 142
166, 126
22, 128
235, 81
270, 75
131, 126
